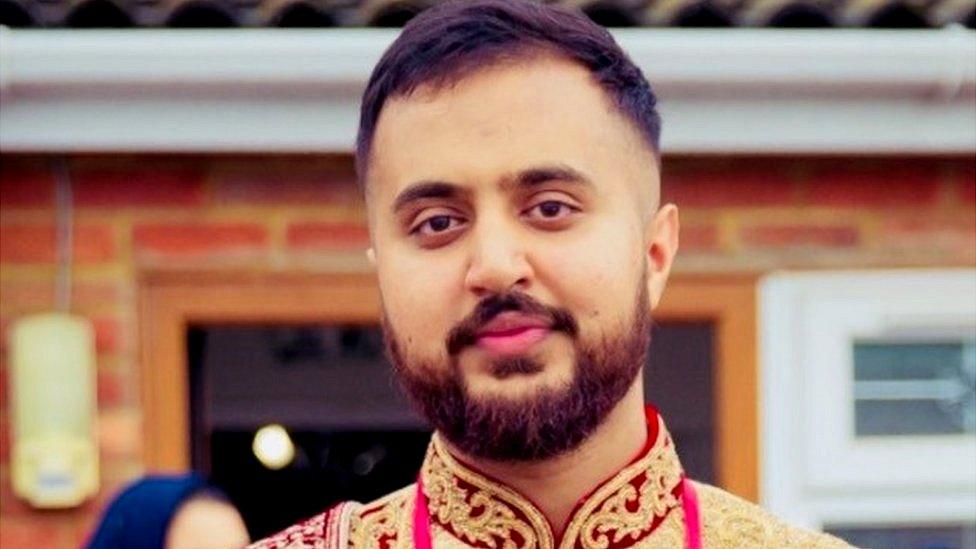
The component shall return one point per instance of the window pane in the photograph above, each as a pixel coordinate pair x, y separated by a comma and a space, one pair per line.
914, 388
903, 418
906, 361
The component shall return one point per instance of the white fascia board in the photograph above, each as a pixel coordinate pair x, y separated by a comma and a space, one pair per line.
271, 90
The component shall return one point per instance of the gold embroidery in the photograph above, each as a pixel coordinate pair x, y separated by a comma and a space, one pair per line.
482, 512
468, 509
606, 512
488, 513
613, 517
670, 534
380, 520
444, 539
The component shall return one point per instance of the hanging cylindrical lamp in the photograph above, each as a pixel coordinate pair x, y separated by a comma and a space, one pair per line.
54, 462
55, 455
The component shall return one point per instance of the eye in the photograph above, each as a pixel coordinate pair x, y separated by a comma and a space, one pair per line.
551, 210
437, 224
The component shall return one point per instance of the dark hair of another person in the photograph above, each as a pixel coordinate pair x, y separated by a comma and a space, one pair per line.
449, 41
140, 515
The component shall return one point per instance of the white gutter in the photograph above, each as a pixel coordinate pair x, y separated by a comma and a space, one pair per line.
271, 90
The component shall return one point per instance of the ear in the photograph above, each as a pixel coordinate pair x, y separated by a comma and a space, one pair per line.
371, 256
661, 240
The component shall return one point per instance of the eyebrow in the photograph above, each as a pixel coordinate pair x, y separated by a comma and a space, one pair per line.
423, 190
532, 177
528, 178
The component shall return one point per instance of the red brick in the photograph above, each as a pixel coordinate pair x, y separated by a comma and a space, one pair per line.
784, 236
963, 177
738, 186
5, 439
12, 506
26, 531
111, 389
967, 191
697, 238
90, 512
5, 322
327, 236
33, 243
152, 186
4, 388
119, 434
286, 187
195, 240
108, 335
879, 184
931, 233
37, 295
26, 188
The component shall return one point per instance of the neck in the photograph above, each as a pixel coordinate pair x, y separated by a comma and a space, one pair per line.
557, 484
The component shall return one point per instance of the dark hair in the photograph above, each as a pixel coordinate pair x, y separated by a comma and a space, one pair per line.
451, 40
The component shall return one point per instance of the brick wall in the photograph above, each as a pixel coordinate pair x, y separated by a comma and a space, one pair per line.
135, 214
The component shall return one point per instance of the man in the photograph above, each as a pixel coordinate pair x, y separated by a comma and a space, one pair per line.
508, 152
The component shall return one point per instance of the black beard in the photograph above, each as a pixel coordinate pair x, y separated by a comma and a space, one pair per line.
552, 422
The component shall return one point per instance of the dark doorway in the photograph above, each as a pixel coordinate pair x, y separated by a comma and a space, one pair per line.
354, 435
679, 380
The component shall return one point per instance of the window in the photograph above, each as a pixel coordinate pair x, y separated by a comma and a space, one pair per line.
956, 536
869, 404
924, 387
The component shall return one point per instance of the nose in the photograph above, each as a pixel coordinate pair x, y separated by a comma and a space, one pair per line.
498, 261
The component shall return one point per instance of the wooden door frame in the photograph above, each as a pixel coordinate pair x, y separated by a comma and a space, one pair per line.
170, 302
729, 302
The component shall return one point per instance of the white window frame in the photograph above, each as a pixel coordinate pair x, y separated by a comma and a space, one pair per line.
814, 471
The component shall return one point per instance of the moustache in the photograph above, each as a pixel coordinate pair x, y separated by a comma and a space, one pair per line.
465, 333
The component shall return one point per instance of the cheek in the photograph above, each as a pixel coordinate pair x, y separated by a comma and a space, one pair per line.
594, 276
418, 297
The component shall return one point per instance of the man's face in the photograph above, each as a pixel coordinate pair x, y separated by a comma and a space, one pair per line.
517, 241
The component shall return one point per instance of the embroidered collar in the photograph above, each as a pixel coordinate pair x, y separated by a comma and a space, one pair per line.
619, 513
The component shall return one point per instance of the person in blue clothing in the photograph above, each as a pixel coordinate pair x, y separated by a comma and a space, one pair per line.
170, 512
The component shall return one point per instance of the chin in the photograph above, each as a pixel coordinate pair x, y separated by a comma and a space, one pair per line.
489, 383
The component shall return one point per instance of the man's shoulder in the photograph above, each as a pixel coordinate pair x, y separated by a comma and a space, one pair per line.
343, 524
730, 521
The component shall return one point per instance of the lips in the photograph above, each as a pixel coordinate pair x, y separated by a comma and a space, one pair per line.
512, 333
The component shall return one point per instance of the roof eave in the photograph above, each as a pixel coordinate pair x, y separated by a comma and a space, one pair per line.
747, 91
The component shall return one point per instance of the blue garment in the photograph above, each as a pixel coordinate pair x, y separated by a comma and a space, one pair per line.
140, 515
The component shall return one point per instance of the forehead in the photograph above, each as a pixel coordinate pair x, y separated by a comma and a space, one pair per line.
500, 120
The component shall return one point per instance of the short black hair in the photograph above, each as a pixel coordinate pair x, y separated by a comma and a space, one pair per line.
451, 40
